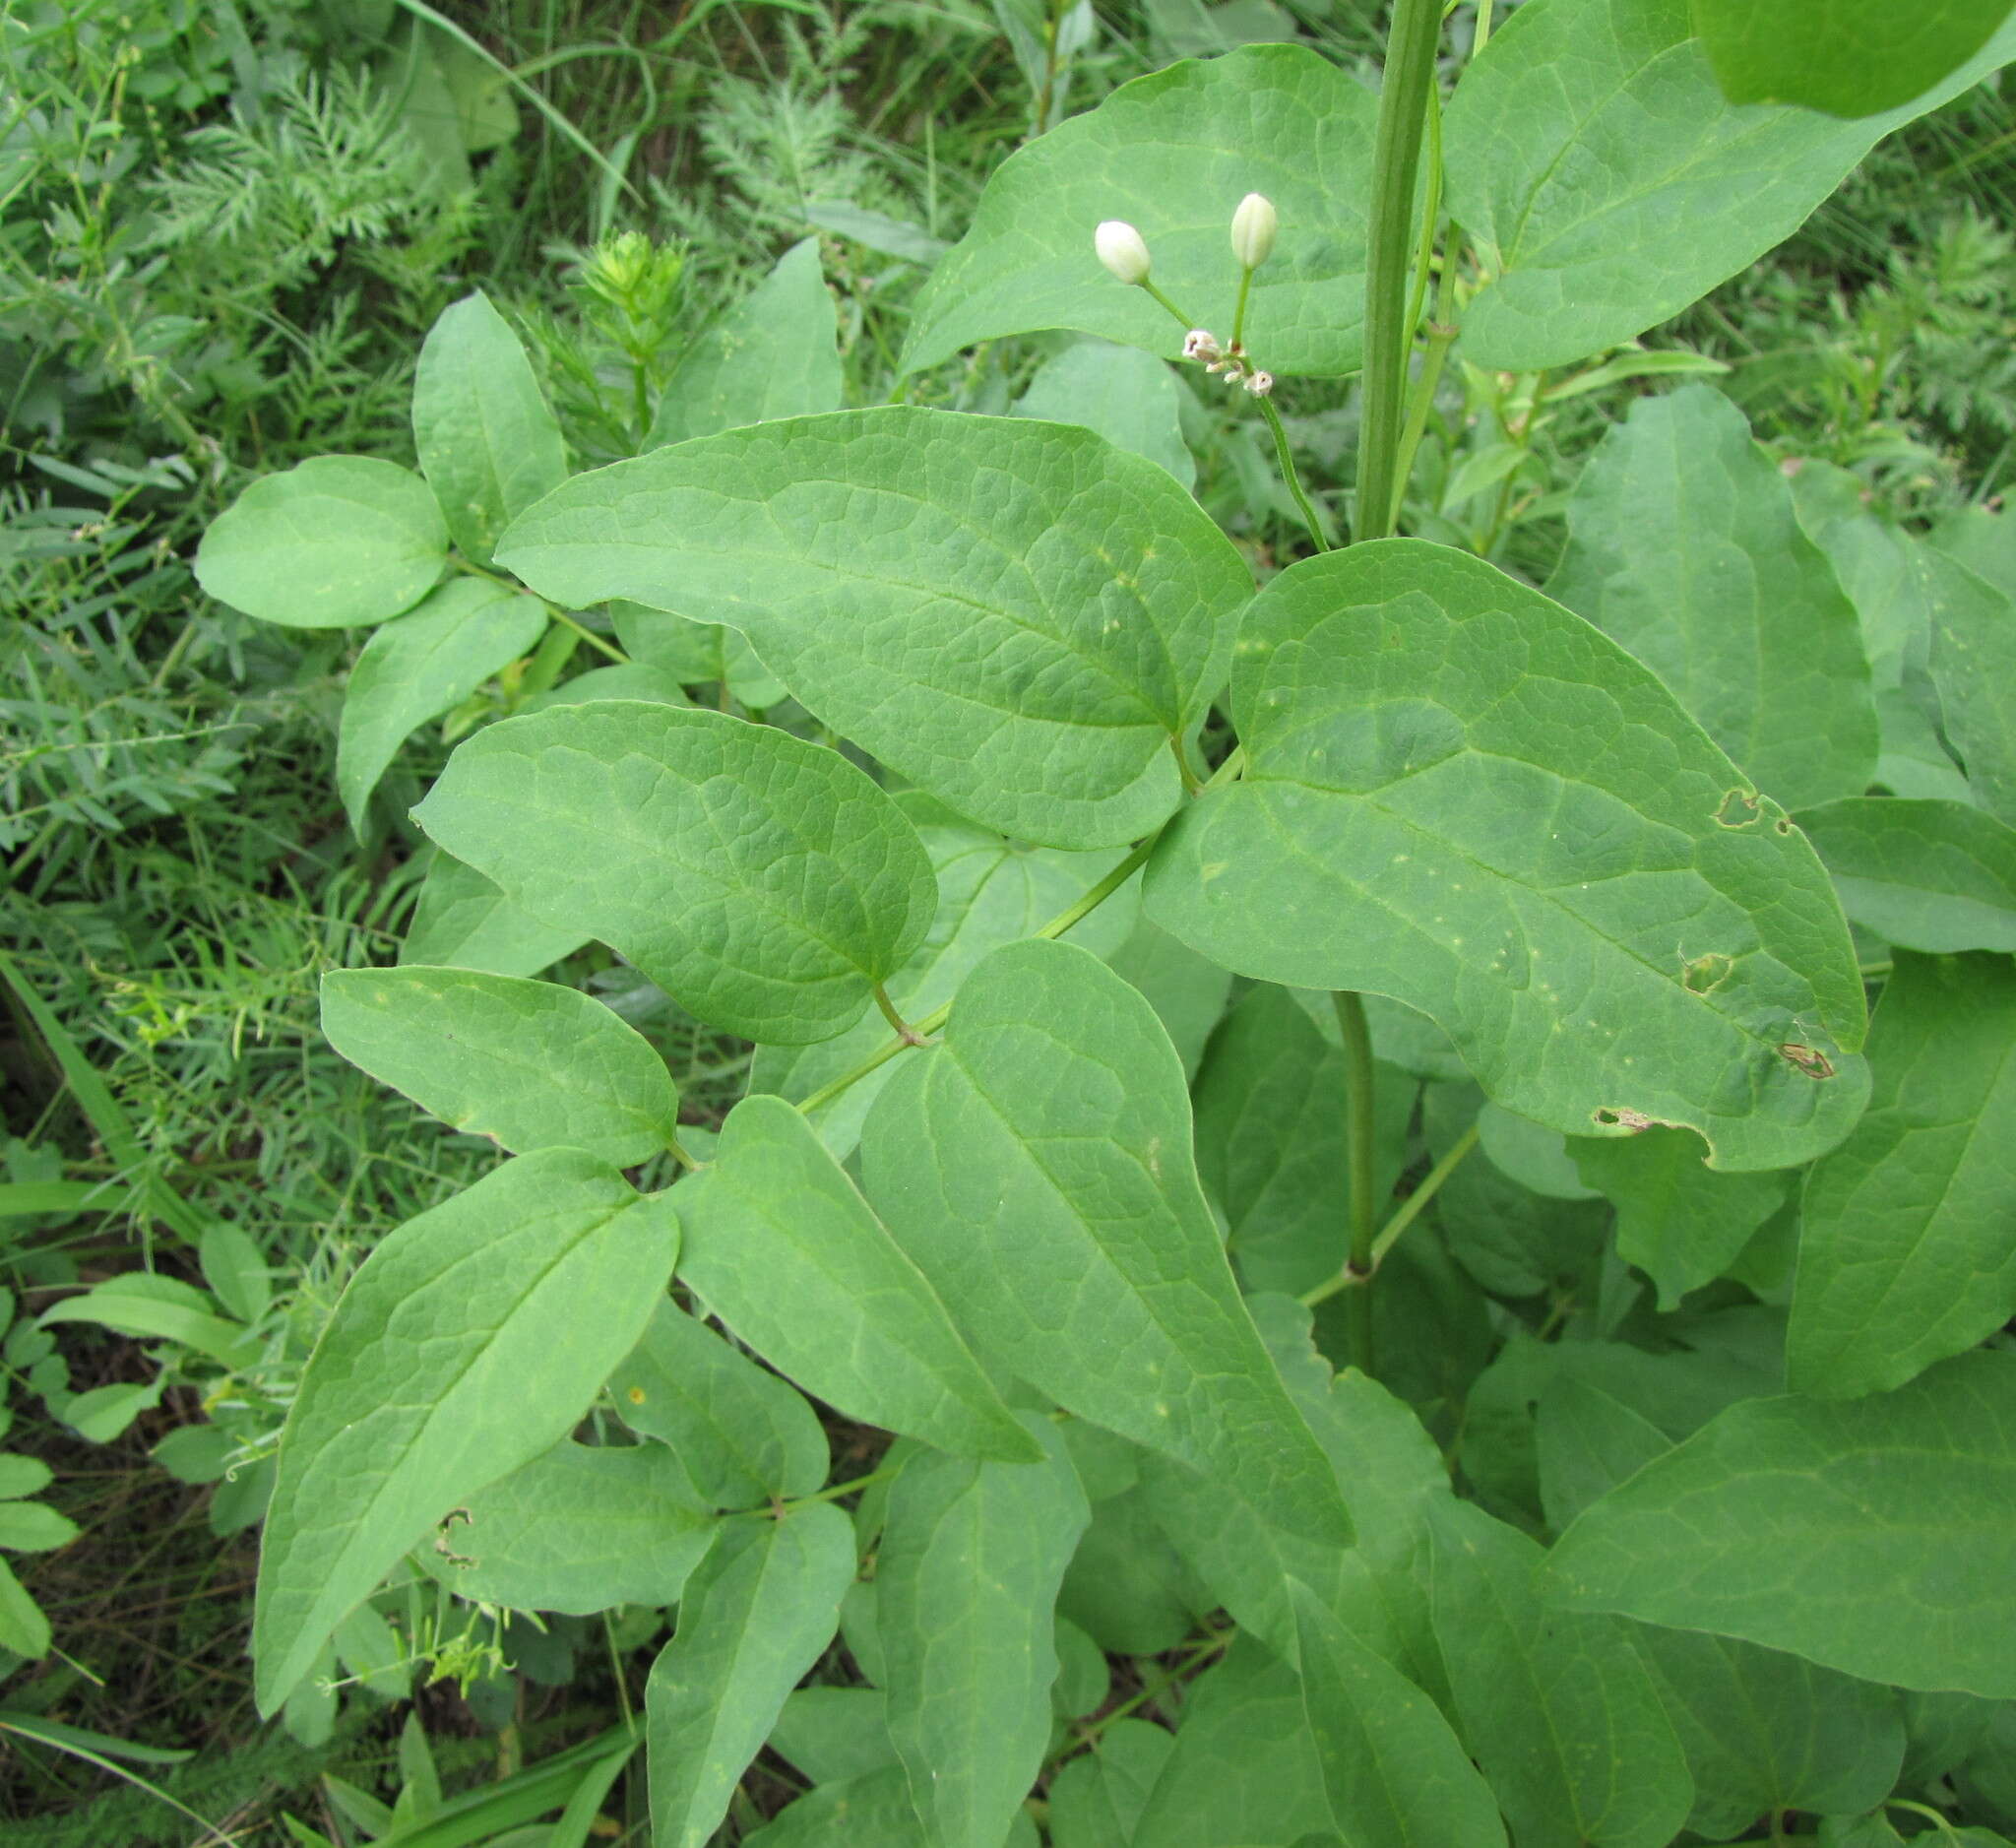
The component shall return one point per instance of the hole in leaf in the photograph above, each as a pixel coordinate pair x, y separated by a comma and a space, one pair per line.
1739, 809
1702, 974
1809, 1059
1633, 1120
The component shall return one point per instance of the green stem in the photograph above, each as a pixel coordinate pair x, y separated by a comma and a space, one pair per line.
831, 1494
1156, 294
1409, 76
1291, 477
1240, 311
1425, 253
1359, 1101
1441, 336
1409, 1210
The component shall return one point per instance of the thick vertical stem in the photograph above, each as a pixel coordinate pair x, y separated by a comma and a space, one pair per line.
1358, 1147
1410, 44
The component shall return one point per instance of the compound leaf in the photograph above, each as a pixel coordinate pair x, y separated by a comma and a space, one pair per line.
487, 442
1037, 1167
1877, 1537
1173, 153
472, 1339
781, 1247
337, 542
1017, 617
1462, 796
966, 1582
757, 1613
763, 882
421, 665
531, 1065
1683, 546
1590, 149
1904, 1251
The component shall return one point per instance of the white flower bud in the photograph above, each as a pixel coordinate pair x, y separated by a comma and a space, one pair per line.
1201, 344
1260, 384
1122, 249
1253, 227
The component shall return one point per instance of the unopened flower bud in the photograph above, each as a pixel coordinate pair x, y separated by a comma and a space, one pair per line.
1122, 249
1253, 227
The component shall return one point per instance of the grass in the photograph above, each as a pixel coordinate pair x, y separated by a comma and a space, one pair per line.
189, 296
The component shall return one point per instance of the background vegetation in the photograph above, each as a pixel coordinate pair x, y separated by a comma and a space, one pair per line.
224, 229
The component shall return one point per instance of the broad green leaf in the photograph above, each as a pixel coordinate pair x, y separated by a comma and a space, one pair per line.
577, 1530
487, 443
1037, 1167
1395, 1775
1462, 796
1245, 1767
774, 355
337, 541
529, 1064
741, 1433
24, 1629
1128, 397
835, 1733
1095, 1799
966, 1582
1936, 876
1677, 1220
765, 883
1981, 540
23, 1476
872, 1808
992, 891
421, 665
690, 651
1684, 547
1905, 1246
780, 1244
236, 1268
1848, 57
1128, 1587
632, 680
462, 921
472, 1340
1558, 1711
1017, 617
1173, 153
1591, 152
1270, 1142
1537, 1158
757, 1613
1875, 1537
1589, 1439
1186, 990
1973, 666
34, 1527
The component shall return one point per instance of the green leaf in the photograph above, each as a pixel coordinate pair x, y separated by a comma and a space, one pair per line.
1924, 876
1590, 150
337, 541
1848, 57
236, 1268
633, 680
1128, 397
1245, 1767
1037, 1167
1537, 1158
743, 1436
487, 443
1879, 565
992, 891
34, 1527
1173, 153
1677, 1220
1462, 796
1128, 1588
529, 1064
1905, 1252
1973, 666
1684, 547
965, 1580
472, 1340
1875, 1537
1270, 1142
23, 1476
422, 664
162, 1309
1186, 990
577, 1530
872, 1808
1017, 617
765, 883
1558, 1711
463, 921
774, 355
24, 1629
1395, 1774
1096, 1798
835, 1733
756, 1615
781, 1247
